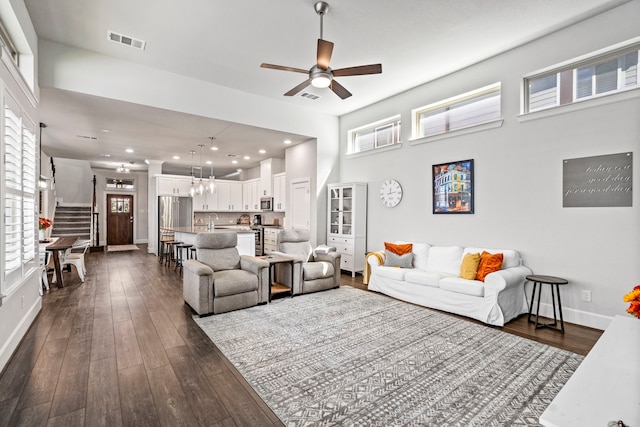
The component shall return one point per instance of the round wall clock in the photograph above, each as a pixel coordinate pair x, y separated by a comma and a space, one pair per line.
390, 193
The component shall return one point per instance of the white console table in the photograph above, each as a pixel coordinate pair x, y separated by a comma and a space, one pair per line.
606, 386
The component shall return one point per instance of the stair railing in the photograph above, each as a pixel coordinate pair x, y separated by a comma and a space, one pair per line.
95, 225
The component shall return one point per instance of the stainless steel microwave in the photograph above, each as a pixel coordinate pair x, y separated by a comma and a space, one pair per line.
266, 203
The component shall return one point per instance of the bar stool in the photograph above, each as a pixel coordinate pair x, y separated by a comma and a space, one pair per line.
179, 258
164, 250
172, 252
194, 253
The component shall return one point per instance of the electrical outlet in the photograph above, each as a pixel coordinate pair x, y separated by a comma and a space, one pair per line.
586, 295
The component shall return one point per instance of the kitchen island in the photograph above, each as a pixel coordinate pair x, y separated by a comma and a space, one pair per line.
246, 236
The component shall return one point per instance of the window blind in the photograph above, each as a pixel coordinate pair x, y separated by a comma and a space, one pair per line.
19, 173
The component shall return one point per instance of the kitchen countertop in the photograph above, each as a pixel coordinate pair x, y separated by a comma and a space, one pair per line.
195, 229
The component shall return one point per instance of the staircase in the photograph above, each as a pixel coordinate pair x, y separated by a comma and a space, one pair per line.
72, 221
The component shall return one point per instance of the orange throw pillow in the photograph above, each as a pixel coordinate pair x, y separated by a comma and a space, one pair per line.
488, 264
469, 267
399, 249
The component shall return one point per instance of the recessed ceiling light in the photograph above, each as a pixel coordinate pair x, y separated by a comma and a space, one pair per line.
287, 141
238, 170
129, 150
214, 148
105, 155
208, 162
247, 158
176, 157
105, 130
262, 151
147, 161
235, 162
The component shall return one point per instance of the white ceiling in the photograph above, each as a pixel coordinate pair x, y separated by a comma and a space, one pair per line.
225, 42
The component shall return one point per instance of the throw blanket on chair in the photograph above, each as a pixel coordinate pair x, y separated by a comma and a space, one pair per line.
367, 271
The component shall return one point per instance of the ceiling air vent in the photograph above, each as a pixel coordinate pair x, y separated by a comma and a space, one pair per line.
309, 95
125, 40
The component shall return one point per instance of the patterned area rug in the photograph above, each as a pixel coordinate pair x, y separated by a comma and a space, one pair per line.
350, 357
120, 248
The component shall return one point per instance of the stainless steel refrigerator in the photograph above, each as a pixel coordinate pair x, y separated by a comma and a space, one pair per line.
173, 212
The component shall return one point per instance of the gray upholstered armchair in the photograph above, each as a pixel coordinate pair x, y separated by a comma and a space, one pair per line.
312, 272
222, 280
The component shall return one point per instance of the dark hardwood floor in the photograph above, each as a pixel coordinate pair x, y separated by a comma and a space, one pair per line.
122, 349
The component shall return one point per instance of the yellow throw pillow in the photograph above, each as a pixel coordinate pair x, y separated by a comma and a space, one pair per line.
488, 264
469, 266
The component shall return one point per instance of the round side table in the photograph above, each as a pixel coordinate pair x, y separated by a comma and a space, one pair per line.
555, 283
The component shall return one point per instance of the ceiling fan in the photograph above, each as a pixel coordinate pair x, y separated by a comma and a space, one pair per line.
321, 75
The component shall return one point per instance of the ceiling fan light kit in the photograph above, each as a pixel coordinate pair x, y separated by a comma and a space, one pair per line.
321, 75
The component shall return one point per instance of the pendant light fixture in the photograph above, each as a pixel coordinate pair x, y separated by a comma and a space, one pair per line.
211, 184
192, 190
200, 188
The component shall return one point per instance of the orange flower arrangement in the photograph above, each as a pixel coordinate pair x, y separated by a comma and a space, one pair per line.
44, 223
633, 297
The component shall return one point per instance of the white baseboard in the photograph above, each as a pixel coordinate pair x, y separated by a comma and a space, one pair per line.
18, 333
579, 317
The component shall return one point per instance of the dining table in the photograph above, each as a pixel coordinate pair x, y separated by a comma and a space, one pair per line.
61, 244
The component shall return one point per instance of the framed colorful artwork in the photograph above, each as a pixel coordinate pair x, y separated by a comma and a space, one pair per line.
453, 187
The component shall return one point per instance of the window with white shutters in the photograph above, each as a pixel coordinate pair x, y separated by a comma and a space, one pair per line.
19, 204
599, 75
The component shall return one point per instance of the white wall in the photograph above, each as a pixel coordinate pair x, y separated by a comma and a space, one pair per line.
518, 174
21, 304
74, 181
140, 202
299, 164
48, 194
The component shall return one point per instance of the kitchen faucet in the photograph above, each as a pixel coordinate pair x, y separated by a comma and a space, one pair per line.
211, 224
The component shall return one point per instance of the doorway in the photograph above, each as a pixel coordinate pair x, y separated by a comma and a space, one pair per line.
300, 204
119, 219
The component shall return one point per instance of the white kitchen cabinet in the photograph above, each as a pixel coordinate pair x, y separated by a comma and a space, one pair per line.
246, 244
251, 195
268, 167
173, 185
280, 192
270, 239
205, 202
347, 227
229, 196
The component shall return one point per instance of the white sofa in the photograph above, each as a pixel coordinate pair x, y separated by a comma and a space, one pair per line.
434, 282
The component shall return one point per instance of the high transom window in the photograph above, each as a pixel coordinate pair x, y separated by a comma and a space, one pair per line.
382, 133
466, 110
591, 77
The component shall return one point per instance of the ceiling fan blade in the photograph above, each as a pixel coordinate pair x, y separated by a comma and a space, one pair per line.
358, 71
280, 67
298, 88
339, 90
325, 49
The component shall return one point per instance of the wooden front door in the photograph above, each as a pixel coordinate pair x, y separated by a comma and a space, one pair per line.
119, 219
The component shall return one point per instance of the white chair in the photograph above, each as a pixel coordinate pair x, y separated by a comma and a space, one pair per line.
45, 258
76, 259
